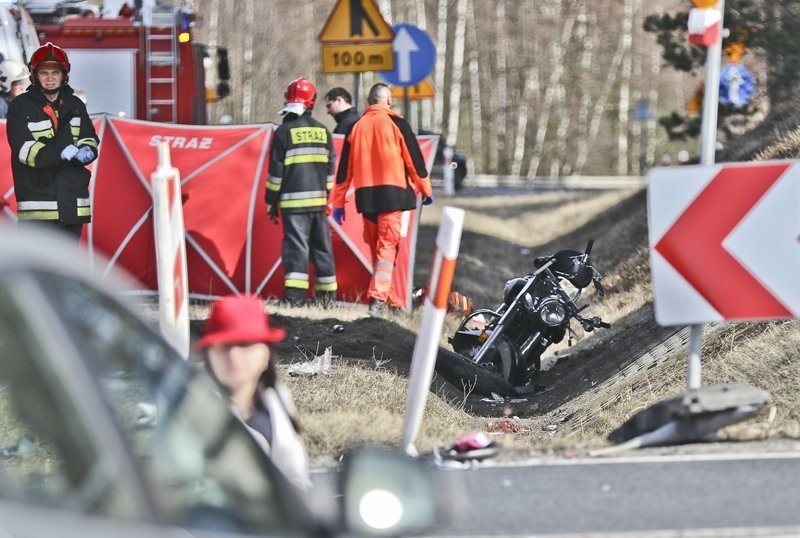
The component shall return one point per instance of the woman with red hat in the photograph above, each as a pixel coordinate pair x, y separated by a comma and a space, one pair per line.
236, 344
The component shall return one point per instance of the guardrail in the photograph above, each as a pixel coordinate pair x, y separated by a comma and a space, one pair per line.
563, 182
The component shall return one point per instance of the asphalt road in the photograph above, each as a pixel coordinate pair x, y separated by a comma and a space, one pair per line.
735, 495
708, 495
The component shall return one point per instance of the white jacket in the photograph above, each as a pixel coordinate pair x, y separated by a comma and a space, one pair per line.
287, 452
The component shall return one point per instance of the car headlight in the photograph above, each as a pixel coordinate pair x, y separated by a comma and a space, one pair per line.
552, 312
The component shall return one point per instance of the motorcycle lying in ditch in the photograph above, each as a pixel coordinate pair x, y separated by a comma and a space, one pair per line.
500, 350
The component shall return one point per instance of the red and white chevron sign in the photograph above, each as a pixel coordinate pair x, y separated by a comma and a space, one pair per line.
725, 242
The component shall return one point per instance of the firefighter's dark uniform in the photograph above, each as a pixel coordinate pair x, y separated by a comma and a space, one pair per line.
301, 171
47, 188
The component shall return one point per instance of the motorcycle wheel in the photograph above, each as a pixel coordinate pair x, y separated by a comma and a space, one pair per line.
501, 360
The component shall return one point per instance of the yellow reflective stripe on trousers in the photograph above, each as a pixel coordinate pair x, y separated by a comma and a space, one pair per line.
297, 284
326, 286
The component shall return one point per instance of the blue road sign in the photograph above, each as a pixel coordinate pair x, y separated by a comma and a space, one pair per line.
736, 85
414, 56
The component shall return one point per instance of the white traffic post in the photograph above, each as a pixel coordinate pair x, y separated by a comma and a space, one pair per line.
708, 145
423, 359
173, 285
447, 171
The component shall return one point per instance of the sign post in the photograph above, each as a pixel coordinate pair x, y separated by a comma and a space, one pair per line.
708, 144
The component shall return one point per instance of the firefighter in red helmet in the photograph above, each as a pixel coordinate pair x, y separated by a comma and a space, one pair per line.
301, 170
52, 139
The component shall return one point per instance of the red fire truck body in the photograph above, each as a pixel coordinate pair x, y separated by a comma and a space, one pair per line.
150, 69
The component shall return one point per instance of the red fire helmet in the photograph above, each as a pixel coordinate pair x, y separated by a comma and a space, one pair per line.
49, 54
301, 91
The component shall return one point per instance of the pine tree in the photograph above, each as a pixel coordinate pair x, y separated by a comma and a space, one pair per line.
768, 29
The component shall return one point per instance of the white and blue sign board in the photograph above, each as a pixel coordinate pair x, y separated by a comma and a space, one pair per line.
736, 85
414, 56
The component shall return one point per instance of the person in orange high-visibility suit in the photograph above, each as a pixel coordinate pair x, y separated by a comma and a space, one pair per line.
382, 160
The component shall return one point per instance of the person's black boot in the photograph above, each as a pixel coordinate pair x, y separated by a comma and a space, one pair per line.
326, 299
376, 308
294, 297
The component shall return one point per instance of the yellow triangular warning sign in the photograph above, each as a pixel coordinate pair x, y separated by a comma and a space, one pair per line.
355, 21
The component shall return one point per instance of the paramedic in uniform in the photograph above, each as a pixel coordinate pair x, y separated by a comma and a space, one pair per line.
382, 160
301, 168
52, 140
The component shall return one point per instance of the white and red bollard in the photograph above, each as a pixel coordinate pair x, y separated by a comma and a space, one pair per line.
705, 26
173, 285
434, 311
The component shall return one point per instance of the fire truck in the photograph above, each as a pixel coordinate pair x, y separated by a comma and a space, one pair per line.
18, 39
140, 63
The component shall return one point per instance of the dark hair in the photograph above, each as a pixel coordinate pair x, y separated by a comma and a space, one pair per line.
375, 92
267, 379
337, 92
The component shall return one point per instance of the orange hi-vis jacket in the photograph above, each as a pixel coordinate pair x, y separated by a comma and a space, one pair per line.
383, 162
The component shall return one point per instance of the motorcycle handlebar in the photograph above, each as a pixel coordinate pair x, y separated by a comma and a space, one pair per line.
590, 324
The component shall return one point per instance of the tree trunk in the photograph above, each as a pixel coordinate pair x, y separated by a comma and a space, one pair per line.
453, 115
425, 106
501, 88
587, 32
623, 112
600, 104
441, 60
247, 71
528, 96
557, 52
476, 140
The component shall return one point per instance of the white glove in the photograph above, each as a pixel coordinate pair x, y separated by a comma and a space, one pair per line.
85, 154
69, 152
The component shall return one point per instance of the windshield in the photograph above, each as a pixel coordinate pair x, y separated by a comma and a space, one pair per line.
201, 467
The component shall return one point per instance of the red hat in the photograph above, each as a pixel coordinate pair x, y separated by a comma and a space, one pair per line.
237, 319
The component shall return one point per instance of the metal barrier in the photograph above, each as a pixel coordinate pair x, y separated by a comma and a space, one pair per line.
562, 182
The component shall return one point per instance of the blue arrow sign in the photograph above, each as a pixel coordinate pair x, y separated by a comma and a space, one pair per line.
414, 56
736, 85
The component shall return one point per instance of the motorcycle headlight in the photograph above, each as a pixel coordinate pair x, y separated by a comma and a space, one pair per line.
552, 312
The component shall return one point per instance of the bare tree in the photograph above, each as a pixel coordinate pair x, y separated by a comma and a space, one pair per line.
453, 113
474, 83
623, 115
557, 51
501, 87
527, 85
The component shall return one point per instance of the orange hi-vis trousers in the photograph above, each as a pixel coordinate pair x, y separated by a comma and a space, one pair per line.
383, 238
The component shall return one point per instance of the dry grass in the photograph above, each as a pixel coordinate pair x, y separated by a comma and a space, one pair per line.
363, 400
360, 405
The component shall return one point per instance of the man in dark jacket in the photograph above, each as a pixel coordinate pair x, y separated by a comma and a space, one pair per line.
301, 170
339, 103
52, 139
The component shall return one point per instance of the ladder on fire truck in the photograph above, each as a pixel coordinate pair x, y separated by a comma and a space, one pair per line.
161, 62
